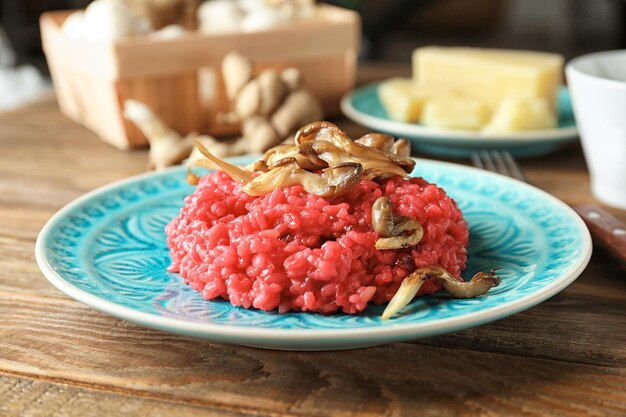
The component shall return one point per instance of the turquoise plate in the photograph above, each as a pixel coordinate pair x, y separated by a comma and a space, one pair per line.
107, 249
362, 106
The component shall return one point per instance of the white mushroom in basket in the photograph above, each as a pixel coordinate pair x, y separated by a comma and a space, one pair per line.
112, 20
167, 147
220, 16
225, 16
270, 107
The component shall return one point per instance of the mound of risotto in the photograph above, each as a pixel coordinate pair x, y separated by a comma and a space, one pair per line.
326, 224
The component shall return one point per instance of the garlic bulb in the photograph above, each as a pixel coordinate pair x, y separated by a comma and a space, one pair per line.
112, 20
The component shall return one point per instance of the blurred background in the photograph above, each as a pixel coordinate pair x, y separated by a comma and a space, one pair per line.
391, 30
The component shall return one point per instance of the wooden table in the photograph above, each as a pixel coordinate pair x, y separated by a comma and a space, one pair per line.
58, 357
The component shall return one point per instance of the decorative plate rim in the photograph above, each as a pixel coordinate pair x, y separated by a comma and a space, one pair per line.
450, 136
388, 330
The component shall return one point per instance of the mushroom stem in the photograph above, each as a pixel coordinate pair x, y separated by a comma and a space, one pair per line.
166, 146
478, 285
236, 71
192, 178
407, 291
214, 162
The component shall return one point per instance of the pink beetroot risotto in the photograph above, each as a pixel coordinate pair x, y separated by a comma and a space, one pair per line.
291, 250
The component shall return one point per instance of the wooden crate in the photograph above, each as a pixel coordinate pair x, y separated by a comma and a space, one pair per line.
180, 78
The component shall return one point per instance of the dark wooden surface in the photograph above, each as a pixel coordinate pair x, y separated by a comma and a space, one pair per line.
565, 357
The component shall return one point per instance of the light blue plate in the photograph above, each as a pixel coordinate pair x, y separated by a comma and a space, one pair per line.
107, 249
364, 107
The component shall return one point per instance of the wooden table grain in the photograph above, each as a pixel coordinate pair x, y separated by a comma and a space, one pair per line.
565, 357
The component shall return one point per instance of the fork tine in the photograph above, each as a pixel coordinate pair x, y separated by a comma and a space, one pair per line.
498, 161
516, 171
475, 157
500, 164
482, 160
487, 161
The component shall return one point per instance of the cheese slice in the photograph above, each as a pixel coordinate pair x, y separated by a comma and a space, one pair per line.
403, 99
397, 98
515, 114
490, 75
449, 112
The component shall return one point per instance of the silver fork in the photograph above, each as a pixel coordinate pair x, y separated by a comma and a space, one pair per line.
498, 161
606, 230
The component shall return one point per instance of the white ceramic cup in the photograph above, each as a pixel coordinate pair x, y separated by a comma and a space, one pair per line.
597, 84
